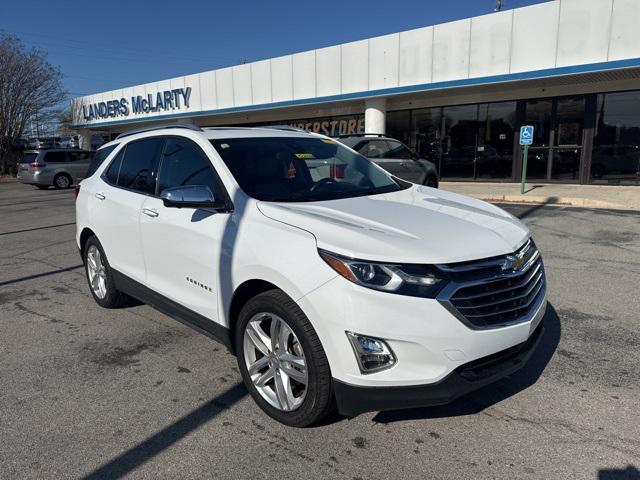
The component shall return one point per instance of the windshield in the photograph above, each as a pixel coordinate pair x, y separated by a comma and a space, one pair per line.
295, 169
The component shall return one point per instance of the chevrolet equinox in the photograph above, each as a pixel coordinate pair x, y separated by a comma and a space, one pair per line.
334, 283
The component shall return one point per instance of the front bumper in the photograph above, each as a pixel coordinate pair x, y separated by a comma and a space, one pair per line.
352, 400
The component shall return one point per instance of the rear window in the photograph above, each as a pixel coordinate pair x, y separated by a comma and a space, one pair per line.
28, 157
99, 158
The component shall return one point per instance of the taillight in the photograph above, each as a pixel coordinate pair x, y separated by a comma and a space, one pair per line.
36, 166
77, 190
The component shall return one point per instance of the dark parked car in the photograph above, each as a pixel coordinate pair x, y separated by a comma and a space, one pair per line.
395, 157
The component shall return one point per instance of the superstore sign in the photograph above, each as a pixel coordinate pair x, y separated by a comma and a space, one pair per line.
162, 101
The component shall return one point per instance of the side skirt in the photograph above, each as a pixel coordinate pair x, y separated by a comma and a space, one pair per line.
174, 310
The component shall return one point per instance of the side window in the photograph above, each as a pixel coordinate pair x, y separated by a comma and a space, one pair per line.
140, 164
55, 157
183, 163
79, 156
398, 150
376, 149
111, 175
99, 157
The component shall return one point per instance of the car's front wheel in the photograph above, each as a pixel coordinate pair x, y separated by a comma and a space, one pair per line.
282, 361
100, 277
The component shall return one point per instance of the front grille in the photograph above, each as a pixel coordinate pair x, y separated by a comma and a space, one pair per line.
497, 291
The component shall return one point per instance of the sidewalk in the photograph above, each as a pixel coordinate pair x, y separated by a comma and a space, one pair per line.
588, 196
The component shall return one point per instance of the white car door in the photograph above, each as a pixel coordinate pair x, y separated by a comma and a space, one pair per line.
182, 246
118, 200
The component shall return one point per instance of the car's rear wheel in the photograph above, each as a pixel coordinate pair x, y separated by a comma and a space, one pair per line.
282, 361
62, 181
100, 276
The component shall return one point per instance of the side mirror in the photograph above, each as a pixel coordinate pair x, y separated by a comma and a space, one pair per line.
190, 196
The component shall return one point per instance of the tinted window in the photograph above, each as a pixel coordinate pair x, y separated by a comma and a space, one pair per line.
111, 175
301, 169
399, 150
375, 149
98, 159
28, 157
139, 165
183, 163
79, 156
55, 157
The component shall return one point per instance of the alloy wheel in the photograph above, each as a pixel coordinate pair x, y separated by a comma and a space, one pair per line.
97, 272
62, 182
275, 361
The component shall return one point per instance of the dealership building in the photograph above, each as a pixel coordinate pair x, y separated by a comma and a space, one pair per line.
457, 93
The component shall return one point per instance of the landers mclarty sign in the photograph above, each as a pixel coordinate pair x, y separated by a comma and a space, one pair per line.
162, 101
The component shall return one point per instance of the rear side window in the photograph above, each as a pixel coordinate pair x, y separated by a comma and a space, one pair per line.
99, 158
55, 157
79, 156
183, 163
111, 175
139, 165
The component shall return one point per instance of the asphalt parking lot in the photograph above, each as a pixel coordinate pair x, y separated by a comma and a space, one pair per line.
93, 393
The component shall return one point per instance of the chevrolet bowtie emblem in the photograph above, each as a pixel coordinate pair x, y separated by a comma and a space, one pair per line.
512, 262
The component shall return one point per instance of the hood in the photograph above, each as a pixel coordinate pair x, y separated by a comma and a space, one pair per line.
416, 225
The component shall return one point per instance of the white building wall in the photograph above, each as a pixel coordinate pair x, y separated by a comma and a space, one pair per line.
554, 34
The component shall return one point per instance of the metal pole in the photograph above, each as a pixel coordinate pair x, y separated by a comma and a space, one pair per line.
525, 155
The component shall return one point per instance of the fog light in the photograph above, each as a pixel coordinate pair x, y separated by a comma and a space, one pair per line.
372, 354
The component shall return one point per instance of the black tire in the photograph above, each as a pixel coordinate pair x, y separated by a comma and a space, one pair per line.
113, 298
318, 401
431, 181
62, 181
43, 187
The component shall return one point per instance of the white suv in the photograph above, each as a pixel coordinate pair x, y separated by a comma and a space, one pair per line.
333, 282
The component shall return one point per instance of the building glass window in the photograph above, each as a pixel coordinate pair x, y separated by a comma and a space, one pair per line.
616, 145
496, 127
399, 125
427, 134
459, 142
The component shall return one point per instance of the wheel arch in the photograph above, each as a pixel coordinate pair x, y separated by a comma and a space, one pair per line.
242, 294
85, 235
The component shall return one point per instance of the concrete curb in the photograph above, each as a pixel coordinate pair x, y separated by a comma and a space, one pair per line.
560, 201
8, 179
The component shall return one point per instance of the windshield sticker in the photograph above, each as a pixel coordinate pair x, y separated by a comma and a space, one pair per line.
305, 155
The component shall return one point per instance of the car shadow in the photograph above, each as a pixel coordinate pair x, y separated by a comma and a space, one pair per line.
479, 400
629, 473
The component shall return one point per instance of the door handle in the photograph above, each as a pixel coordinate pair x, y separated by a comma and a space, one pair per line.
150, 212
100, 196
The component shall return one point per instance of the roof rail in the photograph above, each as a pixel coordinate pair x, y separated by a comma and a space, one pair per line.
188, 126
287, 128
362, 135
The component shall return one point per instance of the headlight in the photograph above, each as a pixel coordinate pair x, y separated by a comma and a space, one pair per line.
412, 280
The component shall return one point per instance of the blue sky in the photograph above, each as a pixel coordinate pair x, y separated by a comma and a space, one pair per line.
105, 45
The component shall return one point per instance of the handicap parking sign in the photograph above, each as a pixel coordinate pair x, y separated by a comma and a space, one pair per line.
526, 135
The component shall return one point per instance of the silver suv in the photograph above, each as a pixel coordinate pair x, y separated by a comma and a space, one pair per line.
395, 157
58, 167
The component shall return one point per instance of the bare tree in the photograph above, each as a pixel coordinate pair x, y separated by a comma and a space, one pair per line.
30, 88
